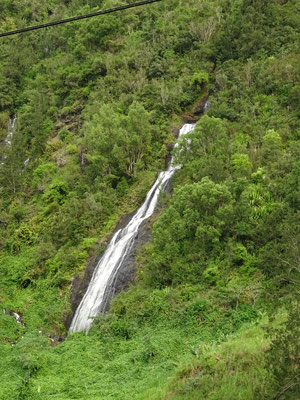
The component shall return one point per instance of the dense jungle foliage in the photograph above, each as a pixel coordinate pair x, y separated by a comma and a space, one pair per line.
213, 312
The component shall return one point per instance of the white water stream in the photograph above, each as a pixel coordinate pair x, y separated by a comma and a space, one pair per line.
11, 130
15, 315
117, 251
12, 123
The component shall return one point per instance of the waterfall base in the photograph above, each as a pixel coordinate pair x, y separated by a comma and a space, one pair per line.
122, 280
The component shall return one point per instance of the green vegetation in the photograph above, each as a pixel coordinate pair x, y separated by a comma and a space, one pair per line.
213, 312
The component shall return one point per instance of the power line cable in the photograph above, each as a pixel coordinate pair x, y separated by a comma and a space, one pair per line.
79, 17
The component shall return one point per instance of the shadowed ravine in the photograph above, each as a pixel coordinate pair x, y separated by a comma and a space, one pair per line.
117, 252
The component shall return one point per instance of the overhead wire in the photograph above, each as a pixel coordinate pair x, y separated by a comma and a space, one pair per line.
79, 17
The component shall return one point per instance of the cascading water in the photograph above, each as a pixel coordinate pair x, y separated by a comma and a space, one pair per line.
15, 315
11, 130
12, 123
117, 252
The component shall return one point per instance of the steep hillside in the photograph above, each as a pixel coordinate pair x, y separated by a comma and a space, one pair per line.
87, 115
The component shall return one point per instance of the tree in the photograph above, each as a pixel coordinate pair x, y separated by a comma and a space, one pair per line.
118, 145
204, 151
190, 232
272, 146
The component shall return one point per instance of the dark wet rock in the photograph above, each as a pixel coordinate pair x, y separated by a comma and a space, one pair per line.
55, 340
197, 111
175, 132
16, 316
125, 275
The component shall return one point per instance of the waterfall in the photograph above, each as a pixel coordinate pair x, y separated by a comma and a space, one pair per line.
26, 162
15, 315
11, 130
12, 123
117, 252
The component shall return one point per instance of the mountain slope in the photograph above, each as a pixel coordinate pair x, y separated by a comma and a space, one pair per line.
96, 103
